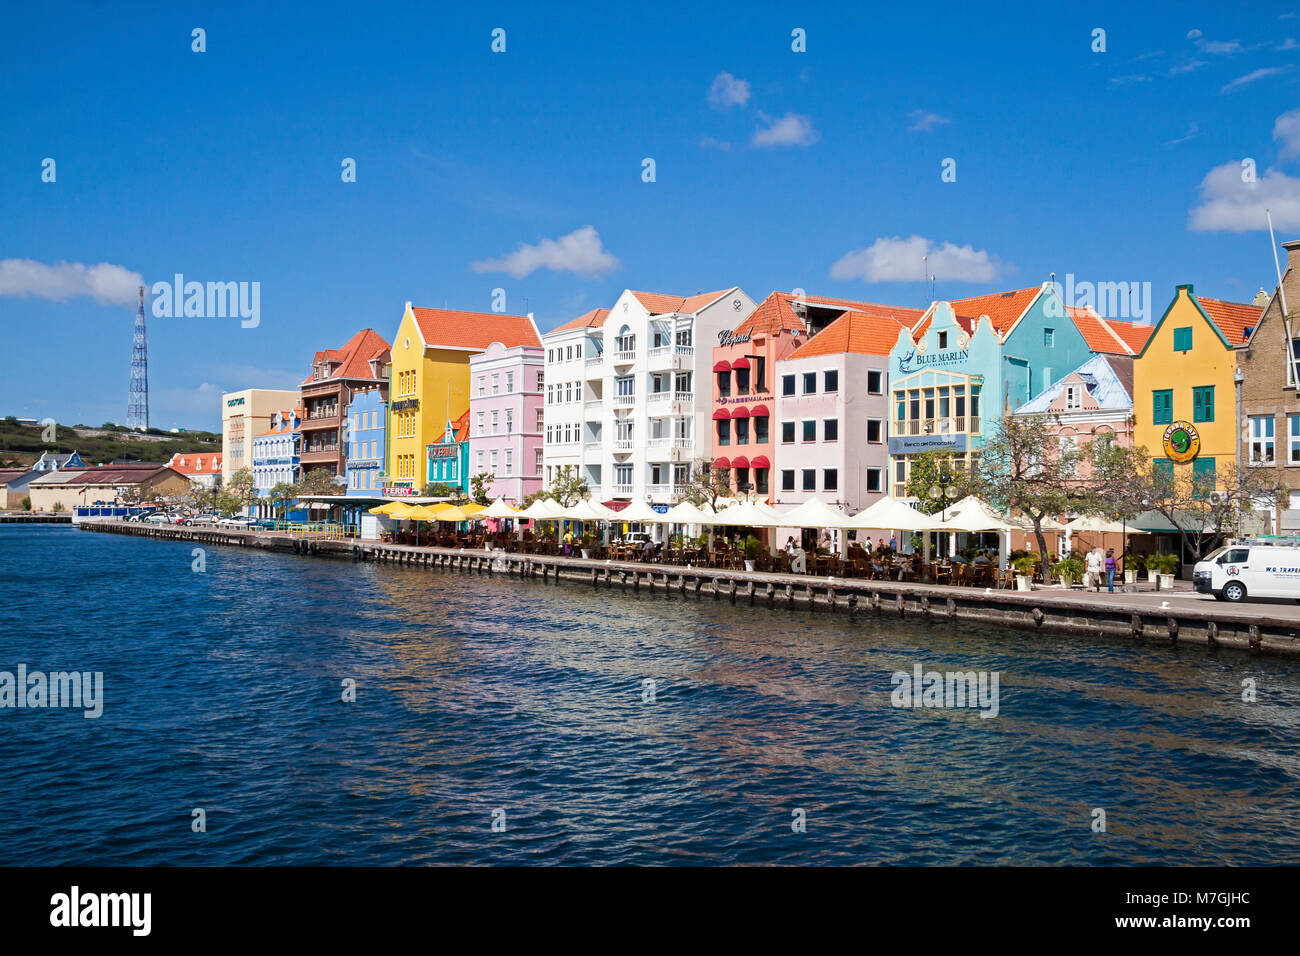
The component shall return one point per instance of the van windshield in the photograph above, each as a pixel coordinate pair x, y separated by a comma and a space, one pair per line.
1213, 555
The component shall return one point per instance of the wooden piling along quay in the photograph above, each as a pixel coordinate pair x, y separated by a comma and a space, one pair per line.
1242, 627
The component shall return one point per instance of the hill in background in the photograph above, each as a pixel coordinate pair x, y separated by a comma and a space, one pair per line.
21, 444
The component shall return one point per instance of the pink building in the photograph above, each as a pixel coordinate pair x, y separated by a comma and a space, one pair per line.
505, 418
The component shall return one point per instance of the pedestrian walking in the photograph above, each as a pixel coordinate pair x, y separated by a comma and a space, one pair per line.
1110, 570
1092, 569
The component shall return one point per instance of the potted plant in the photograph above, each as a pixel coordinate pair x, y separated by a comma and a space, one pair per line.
1133, 563
752, 547
588, 539
1025, 566
1069, 570
1166, 565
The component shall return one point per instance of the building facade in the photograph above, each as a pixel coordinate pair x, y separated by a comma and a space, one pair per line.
336, 374
277, 454
68, 488
430, 379
202, 470
367, 431
243, 415
1184, 385
448, 458
507, 418
630, 387
1270, 406
1090, 403
832, 412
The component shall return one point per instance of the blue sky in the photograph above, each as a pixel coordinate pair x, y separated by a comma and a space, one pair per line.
810, 170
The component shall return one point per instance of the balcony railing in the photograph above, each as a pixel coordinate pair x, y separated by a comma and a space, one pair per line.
624, 401
595, 359
954, 425
685, 349
683, 396
624, 356
624, 444
667, 490
662, 396
622, 491
661, 351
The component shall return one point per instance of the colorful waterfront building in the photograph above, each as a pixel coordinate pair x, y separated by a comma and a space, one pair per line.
69, 487
743, 382
1090, 403
832, 403
1184, 385
448, 457
277, 455
243, 415
336, 374
628, 385
507, 418
367, 431
1270, 404
969, 362
430, 378
52, 461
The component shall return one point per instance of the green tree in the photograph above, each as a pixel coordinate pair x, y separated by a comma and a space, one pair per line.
442, 490
568, 487
932, 475
242, 490
708, 485
282, 495
319, 481
479, 487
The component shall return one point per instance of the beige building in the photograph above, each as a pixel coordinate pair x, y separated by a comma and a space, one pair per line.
243, 415
74, 487
1270, 377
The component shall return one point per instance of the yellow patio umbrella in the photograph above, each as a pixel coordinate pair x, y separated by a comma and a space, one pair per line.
394, 509
451, 514
424, 513
440, 507
472, 508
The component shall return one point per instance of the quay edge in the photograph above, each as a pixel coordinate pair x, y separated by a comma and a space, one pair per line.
1241, 628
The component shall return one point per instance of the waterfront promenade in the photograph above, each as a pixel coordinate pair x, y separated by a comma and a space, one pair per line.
1177, 616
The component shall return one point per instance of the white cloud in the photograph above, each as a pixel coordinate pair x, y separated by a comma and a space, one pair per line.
1192, 131
1287, 132
923, 122
580, 252
895, 259
1187, 67
708, 142
105, 282
1230, 205
1287, 44
1127, 80
1193, 34
792, 129
727, 91
1252, 76
1213, 46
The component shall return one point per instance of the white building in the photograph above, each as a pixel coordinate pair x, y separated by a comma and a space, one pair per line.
628, 392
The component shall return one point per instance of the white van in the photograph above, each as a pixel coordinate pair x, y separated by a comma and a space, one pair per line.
1239, 571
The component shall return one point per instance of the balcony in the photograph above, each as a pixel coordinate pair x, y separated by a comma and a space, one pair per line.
623, 446
624, 401
663, 396
686, 350
314, 422
954, 425
672, 492
625, 357
622, 491
684, 398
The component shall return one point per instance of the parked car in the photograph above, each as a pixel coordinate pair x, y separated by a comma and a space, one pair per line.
157, 517
637, 538
234, 523
199, 520
265, 524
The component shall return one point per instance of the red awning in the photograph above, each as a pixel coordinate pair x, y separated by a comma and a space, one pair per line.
759, 411
741, 412
760, 461
616, 505
741, 362
721, 413
741, 462
722, 366
721, 463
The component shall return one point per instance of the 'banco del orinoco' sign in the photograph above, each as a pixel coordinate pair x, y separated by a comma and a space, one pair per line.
916, 444
912, 362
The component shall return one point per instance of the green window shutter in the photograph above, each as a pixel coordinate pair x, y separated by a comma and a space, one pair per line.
1162, 407
1164, 464
1203, 404
1183, 339
1203, 476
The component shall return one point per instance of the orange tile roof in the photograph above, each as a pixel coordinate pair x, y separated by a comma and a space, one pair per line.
1232, 318
966, 322
773, 315
196, 463
591, 320
460, 427
1003, 308
354, 357
658, 304
448, 328
853, 332
903, 314
1134, 334
1097, 332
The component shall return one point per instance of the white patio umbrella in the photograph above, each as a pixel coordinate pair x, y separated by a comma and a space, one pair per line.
890, 514
639, 511
1095, 525
749, 514
814, 513
543, 509
499, 509
686, 513
973, 515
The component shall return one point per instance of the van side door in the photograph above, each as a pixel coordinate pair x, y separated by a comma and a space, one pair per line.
1234, 565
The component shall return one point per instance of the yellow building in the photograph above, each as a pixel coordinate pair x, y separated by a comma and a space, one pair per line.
430, 378
1184, 387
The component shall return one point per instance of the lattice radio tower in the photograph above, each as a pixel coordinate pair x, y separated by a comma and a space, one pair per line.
137, 401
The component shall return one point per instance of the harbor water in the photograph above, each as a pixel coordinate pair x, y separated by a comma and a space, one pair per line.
499, 721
